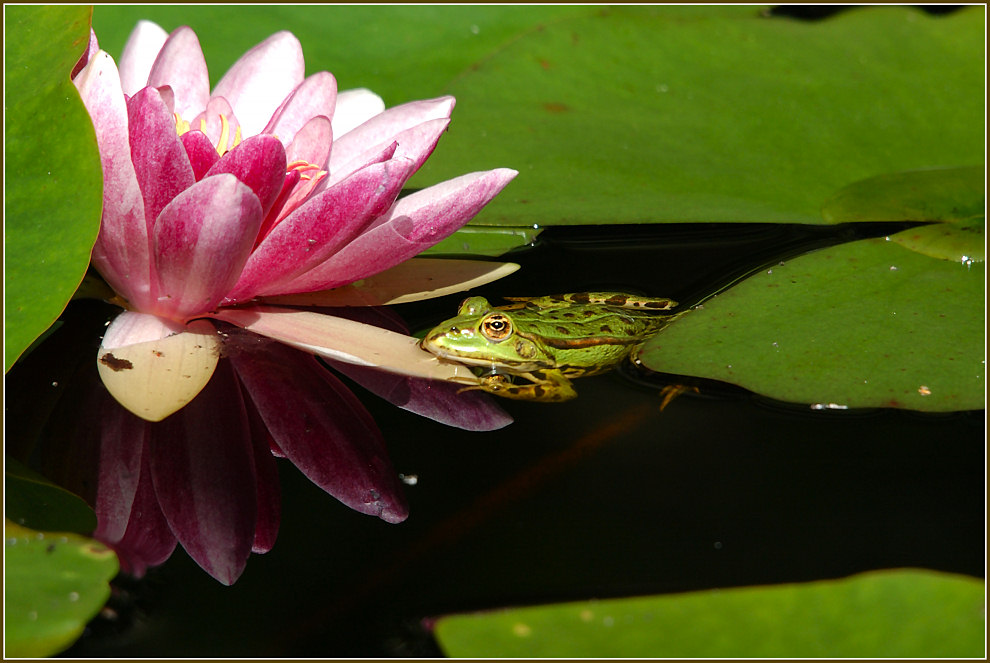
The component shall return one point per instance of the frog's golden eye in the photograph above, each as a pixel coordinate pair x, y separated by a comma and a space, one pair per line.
496, 327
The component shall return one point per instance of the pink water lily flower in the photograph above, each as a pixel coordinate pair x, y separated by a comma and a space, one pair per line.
216, 205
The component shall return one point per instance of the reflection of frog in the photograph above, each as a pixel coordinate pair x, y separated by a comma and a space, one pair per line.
546, 340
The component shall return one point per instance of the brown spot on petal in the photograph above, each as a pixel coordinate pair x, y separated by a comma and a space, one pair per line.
115, 364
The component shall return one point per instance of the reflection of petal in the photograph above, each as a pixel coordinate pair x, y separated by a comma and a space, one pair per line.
149, 540
269, 493
123, 439
203, 470
433, 399
322, 428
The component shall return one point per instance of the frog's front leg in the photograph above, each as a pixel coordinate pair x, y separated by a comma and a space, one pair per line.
546, 387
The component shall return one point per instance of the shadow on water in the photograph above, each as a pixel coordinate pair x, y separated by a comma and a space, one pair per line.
601, 496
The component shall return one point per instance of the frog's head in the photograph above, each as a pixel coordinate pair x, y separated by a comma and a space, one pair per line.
483, 336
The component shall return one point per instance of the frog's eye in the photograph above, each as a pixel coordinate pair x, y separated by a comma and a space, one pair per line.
496, 327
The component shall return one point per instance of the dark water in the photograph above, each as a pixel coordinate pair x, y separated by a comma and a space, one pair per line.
602, 496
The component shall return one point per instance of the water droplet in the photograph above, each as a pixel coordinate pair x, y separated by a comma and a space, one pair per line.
73, 596
475, 29
718, 545
893, 268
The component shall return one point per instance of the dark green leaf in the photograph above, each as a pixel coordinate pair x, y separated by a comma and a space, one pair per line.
53, 192
35, 502
905, 613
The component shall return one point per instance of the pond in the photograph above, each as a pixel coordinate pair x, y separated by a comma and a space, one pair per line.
606, 495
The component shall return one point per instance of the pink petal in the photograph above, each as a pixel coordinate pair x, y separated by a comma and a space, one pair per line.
323, 429
416, 144
181, 66
261, 79
121, 253
311, 143
91, 50
258, 162
209, 122
414, 224
383, 128
162, 167
269, 493
202, 240
203, 471
315, 96
318, 228
201, 152
139, 55
123, 438
148, 540
355, 107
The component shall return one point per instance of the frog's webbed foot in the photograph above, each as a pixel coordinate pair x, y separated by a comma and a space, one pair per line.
546, 387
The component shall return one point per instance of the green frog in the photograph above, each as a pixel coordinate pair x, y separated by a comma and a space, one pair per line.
546, 341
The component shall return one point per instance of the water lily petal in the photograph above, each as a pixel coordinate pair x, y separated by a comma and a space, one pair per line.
203, 471
416, 144
212, 121
414, 280
162, 167
355, 107
121, 253
414, 224
181, 66
202, 241
139, 55
258, 82
315, 96
318, 228
202, 155
122, 442
269, 493
383, 127
91, 50
148, 540
258, 162
345, 340
323, 429
154, 367
311, 143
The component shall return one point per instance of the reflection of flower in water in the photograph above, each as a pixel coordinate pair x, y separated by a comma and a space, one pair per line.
271, 185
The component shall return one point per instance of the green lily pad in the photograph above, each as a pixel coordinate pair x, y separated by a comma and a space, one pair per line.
54, 182
863, 324
942, 194
53, 584
634, 115
903, 613
956, 197
34, 501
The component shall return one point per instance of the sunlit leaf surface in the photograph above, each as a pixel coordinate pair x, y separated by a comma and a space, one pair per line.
53, 182
53, 584
905, 613
864, 324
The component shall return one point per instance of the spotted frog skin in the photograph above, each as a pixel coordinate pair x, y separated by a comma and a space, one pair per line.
533, 348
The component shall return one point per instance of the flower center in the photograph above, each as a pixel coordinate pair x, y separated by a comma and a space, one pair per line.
181, 127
